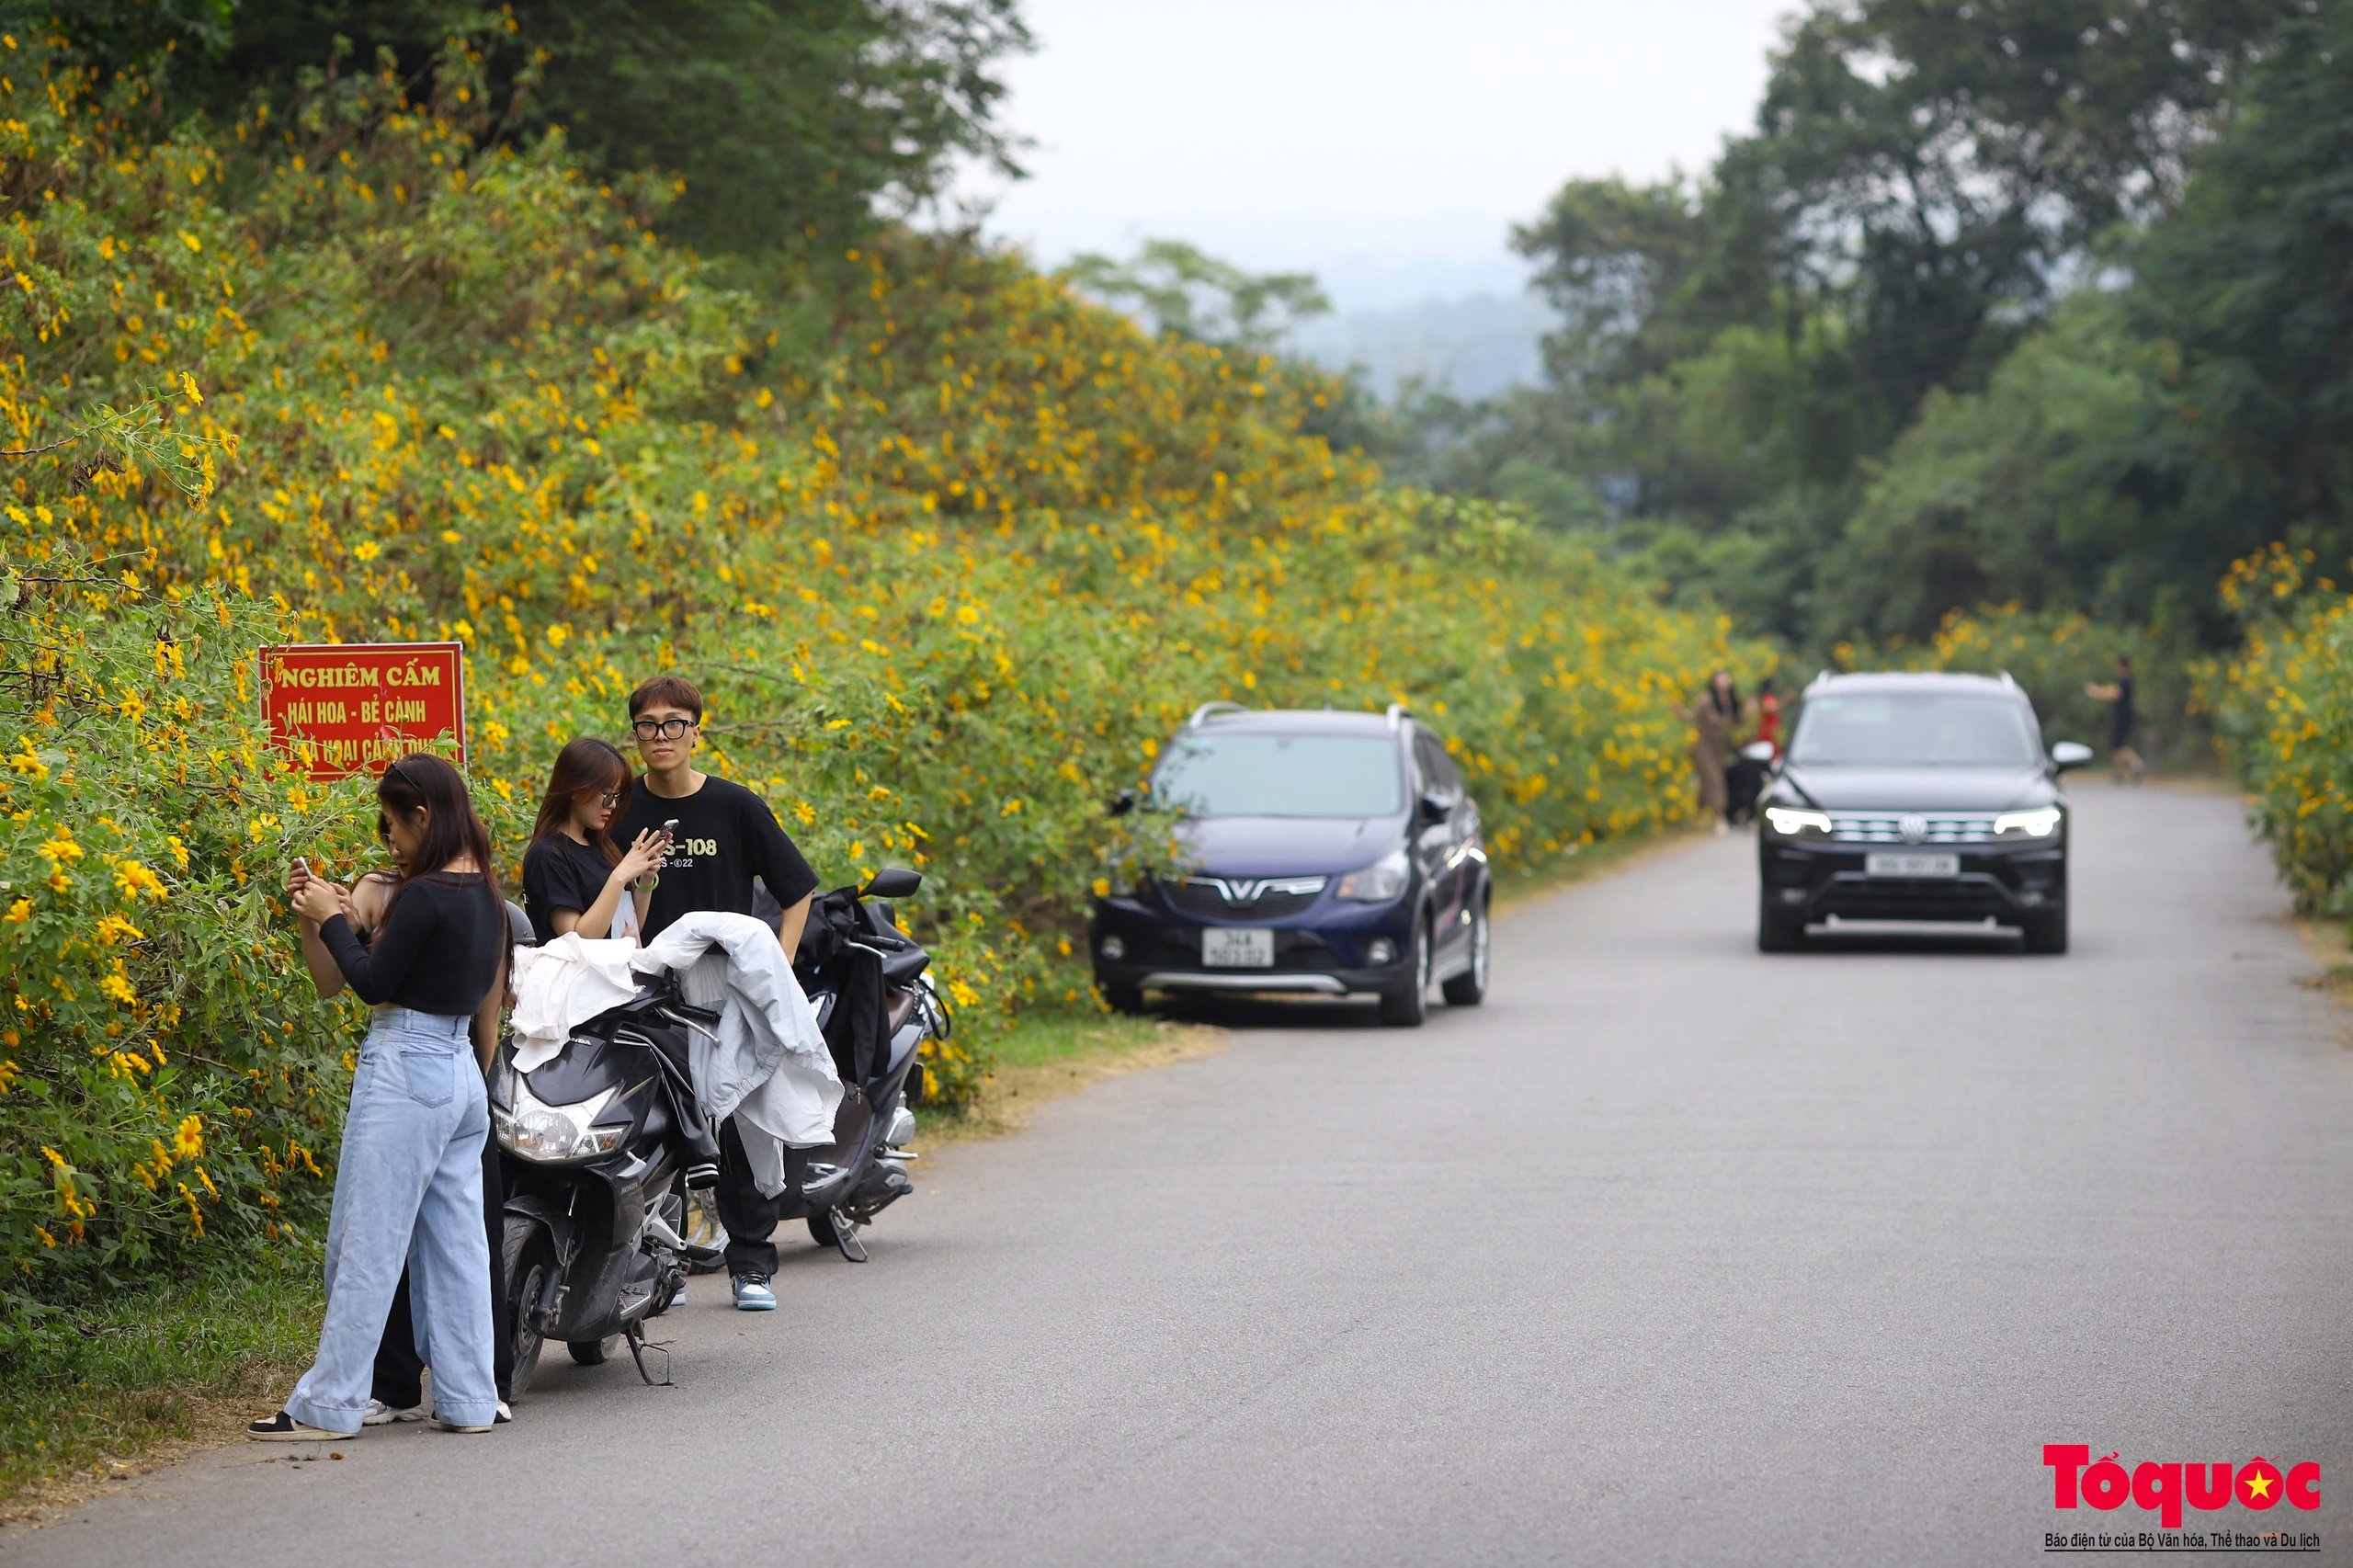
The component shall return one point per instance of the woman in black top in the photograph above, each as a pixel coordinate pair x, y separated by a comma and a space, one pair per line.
575, 877
408, 1180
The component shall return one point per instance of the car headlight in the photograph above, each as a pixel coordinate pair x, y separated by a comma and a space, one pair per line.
2039, 822
555, 1134
1384, 878
1791, 821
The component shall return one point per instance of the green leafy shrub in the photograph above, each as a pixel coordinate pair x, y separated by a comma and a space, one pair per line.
2283, 710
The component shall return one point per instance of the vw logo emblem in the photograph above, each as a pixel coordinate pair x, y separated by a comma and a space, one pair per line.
1912, 827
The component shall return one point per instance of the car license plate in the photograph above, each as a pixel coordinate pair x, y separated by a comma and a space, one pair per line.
1889, 864
1225, 948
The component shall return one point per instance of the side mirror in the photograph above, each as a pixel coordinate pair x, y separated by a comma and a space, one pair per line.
1433, 807
2070, 754
1759, 752
893, 881
1120, 804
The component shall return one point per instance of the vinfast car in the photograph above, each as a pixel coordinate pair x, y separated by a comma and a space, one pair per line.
1327, 854
1916, 796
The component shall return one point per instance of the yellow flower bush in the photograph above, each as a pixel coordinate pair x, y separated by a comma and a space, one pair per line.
2283, 708
950, 550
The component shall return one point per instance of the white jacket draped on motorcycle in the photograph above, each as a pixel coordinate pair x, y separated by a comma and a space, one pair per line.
765, 1063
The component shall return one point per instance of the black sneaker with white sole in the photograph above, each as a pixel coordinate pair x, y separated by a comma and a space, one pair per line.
283, 1428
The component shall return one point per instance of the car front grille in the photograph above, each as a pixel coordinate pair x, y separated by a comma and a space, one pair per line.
1243, 898
1912, 827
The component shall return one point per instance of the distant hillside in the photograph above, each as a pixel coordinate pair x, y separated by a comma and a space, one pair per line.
1478, 345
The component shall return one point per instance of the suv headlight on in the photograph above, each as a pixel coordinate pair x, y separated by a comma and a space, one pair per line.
2039, 822
555, 1134
1384, 878
1796, 822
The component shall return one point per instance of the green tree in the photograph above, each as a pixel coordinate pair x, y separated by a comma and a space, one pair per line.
1176, 289
2247, 295
792, 122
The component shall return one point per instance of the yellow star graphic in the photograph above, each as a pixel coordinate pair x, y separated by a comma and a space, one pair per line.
2258, 1486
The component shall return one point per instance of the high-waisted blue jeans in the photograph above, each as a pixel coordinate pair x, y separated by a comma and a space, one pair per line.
408, 1187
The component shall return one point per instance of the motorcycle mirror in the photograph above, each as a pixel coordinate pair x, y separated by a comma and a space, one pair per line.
1759, 752
893, 881
1120, 804
1434, 807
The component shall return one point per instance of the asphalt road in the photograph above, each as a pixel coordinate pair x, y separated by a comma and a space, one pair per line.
1671, 1254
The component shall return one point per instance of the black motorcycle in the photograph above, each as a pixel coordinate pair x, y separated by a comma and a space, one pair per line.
598, 1145
876, 1007
606, 1152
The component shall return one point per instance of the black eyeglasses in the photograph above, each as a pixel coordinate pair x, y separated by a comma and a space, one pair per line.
667, 729
610, 798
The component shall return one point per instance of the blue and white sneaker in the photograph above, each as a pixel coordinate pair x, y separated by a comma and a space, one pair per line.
752, 1295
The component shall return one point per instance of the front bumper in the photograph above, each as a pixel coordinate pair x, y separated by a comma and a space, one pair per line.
1321, 950
1820, 878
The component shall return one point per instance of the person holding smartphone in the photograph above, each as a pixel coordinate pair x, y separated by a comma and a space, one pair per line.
396, 1392
408, 1179
724, 837
575, 877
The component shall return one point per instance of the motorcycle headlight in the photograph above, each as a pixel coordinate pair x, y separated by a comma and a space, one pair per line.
2039, 822
1384, 878
1790, 822
555, 1134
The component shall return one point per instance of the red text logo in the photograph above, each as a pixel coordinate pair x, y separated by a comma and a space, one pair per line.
2077, 1479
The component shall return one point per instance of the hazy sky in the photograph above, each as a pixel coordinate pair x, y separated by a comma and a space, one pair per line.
1384, 144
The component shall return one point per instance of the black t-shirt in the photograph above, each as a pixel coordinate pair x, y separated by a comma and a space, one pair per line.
560, 872
439, 953
726, 837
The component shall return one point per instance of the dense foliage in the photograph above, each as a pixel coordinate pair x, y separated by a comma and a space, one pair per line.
2039, 303
2283, 705
2054, 655
949, 568
787, 120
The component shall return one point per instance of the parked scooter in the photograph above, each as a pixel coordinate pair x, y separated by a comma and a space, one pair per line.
599, 1144
876, 1007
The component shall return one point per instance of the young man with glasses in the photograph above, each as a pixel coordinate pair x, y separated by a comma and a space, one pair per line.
726, 837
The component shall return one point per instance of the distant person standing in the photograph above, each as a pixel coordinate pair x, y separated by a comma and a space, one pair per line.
1767, 707
1712, 715
2117, 694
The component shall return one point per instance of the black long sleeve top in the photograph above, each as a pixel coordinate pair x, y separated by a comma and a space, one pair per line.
439, 953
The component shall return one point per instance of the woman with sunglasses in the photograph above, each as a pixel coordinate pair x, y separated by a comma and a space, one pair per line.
575, 877
408, 1181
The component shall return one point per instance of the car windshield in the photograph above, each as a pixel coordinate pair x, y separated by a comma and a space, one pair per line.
1281, 776
1914, 730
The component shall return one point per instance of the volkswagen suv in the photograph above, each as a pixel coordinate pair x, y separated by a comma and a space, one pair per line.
1916, 796
1330, 854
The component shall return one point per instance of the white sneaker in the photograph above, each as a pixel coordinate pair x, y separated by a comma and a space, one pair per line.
383, 1414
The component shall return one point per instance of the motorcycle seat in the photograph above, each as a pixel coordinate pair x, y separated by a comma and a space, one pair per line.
902, 1008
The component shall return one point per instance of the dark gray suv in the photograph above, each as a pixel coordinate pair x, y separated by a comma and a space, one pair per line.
1916, 796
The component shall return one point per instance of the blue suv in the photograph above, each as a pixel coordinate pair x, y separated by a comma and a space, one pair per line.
1331, 854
